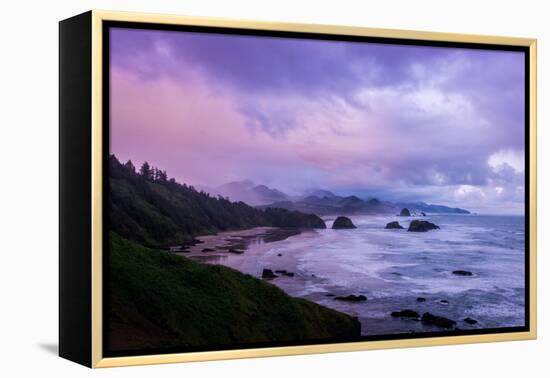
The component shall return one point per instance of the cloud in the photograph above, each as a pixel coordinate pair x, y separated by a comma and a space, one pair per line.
502, 159
443, 125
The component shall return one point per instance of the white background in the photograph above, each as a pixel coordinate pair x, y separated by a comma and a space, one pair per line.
29, 174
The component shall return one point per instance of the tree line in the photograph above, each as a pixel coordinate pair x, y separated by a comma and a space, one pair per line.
148, 172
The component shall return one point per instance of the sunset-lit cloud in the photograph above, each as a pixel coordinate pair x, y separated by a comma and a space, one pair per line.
433, 124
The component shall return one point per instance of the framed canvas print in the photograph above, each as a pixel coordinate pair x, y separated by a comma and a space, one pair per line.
235, 189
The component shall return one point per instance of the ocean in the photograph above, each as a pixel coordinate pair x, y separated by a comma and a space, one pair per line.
393, 268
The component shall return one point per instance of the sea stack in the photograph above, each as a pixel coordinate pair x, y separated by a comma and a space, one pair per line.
438, 321
393, 225
405, 212
422, 226
406, 314
342, 223
462, 273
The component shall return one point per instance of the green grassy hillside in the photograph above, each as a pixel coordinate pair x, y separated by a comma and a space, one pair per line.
160, 300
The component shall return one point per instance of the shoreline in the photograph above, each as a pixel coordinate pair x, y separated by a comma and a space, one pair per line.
286, 266
303, 265
234, 242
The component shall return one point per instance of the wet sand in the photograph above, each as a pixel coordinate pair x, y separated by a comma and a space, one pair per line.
243, 250
220, 246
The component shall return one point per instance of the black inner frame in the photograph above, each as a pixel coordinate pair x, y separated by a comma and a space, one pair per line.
107, 25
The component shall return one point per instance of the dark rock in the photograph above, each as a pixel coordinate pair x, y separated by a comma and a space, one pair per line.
421, 226
237, 251
462, 273
393, 225
208, 250
330, 295
438, 321
268, 273
444, 302
421, 299
470, 321
278, 254
423, 213
284, 218
352, 298
342, 223
405, 212
285, 273
405, 314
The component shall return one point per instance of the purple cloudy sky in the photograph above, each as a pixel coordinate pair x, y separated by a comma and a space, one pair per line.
440, 125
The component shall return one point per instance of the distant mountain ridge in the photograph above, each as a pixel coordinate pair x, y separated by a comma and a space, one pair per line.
248, 192
428, 208
337, 205
321, 193
320, 201
332, 204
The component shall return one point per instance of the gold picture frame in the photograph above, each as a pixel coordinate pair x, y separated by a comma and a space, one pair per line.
95, 20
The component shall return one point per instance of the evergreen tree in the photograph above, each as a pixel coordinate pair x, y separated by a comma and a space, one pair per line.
145, 171
130, 166
162, 176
